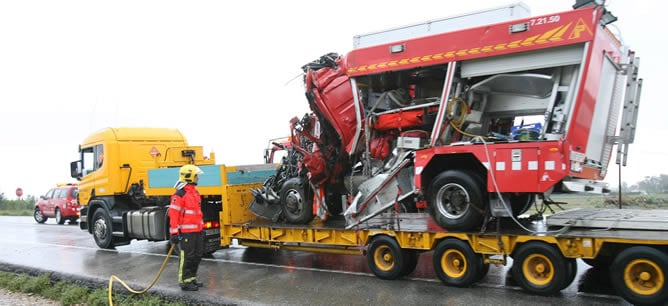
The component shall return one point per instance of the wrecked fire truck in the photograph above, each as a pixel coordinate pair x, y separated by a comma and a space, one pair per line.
469, 123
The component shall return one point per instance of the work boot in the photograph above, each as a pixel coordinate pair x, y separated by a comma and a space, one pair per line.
199, 284
191, 286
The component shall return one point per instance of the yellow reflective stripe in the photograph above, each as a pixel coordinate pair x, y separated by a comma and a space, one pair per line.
182, 258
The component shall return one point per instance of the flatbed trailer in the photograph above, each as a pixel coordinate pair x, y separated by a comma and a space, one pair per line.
633, 243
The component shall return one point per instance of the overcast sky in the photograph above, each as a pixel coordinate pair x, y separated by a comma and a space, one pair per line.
225, 73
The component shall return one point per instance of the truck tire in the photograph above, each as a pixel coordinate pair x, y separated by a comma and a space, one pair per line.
102, 229
456, 200
520, 203
456, 264
296, 201
385, 258
540, 268
39, 217
638, 274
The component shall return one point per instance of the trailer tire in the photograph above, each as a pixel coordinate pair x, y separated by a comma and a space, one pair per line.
296, 202
540, 268
484, 269
410, 261
102, 229
385, 258
572, 269
452, 195
456, 264
638, 274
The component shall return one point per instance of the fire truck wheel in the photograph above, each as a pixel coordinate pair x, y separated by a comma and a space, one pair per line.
410, 261
456, 200
59, 217
572, 269
520, 203
385, 258
102, 229
456, 264
539, 268
296, 202
39, 217
638, 274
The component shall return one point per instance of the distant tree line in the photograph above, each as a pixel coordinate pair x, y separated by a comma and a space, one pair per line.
26, 203
650, 184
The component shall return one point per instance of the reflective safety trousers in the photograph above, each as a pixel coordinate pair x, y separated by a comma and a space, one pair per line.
185, 211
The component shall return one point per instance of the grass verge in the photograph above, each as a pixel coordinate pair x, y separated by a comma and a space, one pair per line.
68, 293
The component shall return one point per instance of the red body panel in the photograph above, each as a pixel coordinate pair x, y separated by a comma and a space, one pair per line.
544, 32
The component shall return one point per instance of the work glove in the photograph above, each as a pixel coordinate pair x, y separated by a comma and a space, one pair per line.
174, 239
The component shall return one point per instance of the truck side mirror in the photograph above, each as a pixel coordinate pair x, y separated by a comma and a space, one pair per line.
75, 169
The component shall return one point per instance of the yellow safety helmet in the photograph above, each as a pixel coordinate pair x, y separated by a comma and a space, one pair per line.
188, 172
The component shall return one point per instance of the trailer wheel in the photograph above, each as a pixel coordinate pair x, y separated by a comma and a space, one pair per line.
572, 269
456, 200
456, 264
296, 202
39, 217
102, 229
410, 261
484, 269
539, 268
385, 258
639, 275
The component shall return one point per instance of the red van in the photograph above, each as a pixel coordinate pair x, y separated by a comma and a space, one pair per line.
60, 203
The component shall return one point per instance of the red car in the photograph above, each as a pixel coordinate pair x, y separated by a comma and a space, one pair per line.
60, 203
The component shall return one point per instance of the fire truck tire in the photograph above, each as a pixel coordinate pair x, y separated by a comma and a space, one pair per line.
410, 261
102, 230
39, 217
456, 264
452, 195
296, 202
520, 203
540, 268
572, 269
638, 274
385, 258
59, 217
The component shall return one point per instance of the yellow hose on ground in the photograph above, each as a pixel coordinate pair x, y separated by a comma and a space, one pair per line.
155, 280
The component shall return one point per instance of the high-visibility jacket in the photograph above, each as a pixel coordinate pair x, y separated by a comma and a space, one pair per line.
185, 211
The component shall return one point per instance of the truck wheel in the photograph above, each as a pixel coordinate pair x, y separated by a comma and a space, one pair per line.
638, 274
456, 264
59, 217
410, 261
520, 203
39, 217
102, 229
455, 198
539, 268
296, 202
385, 258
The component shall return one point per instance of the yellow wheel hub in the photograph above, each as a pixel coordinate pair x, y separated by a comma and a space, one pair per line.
538, 269
454, 263
383, 258
644, 277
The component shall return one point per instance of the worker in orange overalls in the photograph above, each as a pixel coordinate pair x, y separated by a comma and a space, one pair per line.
185, 226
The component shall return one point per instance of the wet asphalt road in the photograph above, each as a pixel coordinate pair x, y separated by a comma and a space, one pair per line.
240, 275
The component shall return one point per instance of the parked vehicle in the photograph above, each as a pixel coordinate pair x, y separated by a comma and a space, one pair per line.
59, 202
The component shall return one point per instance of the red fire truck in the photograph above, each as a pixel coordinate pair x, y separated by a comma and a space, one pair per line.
469, 123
